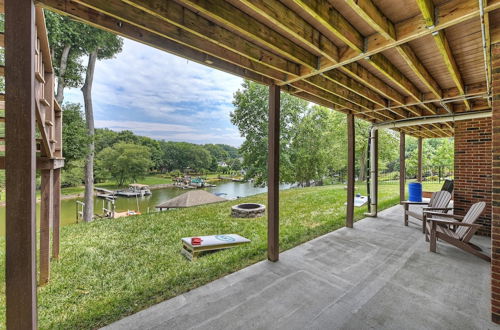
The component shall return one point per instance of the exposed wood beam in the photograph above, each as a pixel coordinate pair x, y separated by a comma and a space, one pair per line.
20, 265
42, 163
293, 24
286, 19
367, 10
330, 18
232, 63
342, 79
374, 17
449, 14
2, 39
451, 65
428, 12
230, 16
329, 86
170, 16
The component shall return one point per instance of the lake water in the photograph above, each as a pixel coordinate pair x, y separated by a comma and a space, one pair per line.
147, 204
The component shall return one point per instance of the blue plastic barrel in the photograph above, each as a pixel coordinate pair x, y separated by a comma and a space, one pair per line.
415, 191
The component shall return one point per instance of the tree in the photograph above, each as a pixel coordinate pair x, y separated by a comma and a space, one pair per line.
65, 38
102, 45
315, 146
251, 118
124, 162
74, 133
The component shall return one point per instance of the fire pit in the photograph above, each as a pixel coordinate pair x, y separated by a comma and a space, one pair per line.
248, 210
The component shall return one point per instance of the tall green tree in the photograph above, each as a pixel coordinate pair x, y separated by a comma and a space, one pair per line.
316, 147
125, 162
67, 38
102, 45
251, 117
74, 133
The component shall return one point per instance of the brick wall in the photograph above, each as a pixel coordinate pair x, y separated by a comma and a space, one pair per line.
495, 222
473, 168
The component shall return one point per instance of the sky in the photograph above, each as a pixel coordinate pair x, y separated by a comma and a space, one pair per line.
162, 96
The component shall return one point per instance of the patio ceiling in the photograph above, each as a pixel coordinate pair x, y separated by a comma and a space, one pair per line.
381, 60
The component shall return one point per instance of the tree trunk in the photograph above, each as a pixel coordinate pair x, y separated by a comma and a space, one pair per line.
62, 71
88, 211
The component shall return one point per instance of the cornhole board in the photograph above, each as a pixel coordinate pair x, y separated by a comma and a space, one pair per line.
210, 243
359, 201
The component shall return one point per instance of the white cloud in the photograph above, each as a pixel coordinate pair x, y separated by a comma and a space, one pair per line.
143, 84
141, 126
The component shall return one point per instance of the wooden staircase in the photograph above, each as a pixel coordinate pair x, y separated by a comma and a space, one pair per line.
49, 159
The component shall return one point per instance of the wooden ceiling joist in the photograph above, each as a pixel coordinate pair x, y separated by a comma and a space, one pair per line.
312, 50
428, 12
239, 65
367, 10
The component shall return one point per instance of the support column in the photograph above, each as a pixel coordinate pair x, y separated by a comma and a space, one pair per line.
402, 166
20, 165
46, 216
350, 171
419, 161
375, 169
273, 174
495, 221
373, 172
57, 213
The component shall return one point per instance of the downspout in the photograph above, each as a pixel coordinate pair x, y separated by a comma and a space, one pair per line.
373, 174
405, 123
485, 48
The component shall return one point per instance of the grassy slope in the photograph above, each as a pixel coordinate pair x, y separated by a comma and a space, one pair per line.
112, 268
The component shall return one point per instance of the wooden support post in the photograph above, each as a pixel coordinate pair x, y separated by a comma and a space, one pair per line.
402, 166
375, 169
350, 171
20, 165
46, 215
273, 174
419, 163
57, 213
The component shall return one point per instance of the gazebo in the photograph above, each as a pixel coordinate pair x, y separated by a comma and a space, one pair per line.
189, 199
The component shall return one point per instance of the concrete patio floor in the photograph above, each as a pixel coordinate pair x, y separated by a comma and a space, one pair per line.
379, 275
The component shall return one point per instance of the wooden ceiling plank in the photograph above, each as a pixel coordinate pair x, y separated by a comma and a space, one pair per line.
329, 86
342, 79
389, 70
292, 23
310, 88
281, 16
226, 14
198, 27
428, 12
448, 14
295, 25
449, 60
239, 66
369, 12
330, 18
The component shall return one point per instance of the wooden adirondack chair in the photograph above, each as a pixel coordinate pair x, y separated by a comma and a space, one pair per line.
457, 233
438, 203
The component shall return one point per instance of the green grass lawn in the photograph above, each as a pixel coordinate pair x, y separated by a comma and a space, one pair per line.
112, 268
